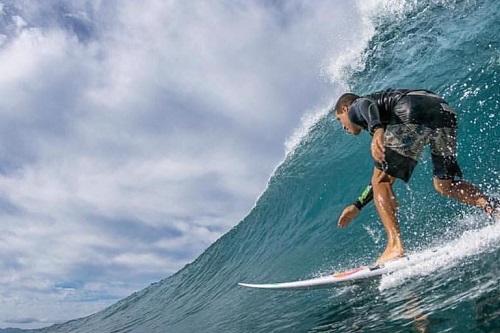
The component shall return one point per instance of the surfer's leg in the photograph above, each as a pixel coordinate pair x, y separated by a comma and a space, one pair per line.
403, 145
462, 191
447, 174
385, 202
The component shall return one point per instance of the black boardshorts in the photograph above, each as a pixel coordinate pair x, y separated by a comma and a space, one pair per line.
420, 119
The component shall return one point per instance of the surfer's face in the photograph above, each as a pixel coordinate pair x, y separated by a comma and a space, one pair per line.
349, 126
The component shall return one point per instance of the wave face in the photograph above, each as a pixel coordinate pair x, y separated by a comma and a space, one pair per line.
450, 47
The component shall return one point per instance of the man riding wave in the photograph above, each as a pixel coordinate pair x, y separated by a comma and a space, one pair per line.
402, 122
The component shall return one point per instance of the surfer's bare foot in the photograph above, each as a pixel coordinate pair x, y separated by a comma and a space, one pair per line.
390, 254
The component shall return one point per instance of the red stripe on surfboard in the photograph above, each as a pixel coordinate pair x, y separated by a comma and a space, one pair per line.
349, 272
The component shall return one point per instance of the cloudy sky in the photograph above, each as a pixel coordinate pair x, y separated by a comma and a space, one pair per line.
136, 133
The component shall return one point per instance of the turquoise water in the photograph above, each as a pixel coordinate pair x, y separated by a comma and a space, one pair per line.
451, 47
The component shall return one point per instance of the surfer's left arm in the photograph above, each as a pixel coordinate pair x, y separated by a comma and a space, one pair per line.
352, 211
371, 114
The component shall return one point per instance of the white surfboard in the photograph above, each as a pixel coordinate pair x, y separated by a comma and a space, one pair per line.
359, 273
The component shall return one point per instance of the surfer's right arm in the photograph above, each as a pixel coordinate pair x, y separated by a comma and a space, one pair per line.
351, 211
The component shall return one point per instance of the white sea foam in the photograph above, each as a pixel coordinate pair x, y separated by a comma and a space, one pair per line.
352, 59
307, 122
436, 258
338, 67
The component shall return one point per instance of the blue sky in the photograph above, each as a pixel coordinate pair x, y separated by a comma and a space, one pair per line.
136, 133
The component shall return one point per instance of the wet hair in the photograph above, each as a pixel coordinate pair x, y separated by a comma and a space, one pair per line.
345, 99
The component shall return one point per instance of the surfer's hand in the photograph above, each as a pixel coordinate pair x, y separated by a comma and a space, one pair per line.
377, 147
349, 213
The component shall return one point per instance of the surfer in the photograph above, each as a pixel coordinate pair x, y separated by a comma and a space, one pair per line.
402, 122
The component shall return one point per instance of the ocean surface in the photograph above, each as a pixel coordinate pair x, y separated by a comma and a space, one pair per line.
450, 47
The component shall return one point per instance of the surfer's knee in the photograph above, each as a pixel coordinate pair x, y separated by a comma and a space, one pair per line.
443, 186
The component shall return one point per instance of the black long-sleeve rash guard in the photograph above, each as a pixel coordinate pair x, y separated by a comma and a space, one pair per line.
364, 112
377, 109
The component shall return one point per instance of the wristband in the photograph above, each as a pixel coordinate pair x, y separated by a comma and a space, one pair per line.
358, 204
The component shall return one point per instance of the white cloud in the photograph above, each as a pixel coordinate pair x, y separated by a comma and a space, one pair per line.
136, 135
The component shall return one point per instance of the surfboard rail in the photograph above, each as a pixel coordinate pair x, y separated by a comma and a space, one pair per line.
353, 274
